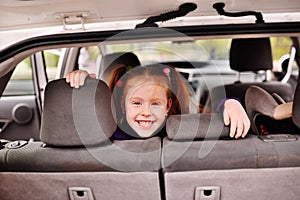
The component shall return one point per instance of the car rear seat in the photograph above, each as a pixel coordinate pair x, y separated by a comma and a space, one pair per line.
250, 54
76, 151
201, 142
199, 158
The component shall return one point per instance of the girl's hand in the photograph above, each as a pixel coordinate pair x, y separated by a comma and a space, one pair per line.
77, 78
235, 115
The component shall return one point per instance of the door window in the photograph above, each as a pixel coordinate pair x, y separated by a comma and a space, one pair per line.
21, 82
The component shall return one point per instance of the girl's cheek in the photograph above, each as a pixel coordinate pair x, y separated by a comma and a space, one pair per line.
134, 111
159, 110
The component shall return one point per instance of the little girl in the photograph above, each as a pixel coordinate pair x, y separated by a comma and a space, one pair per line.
144, 97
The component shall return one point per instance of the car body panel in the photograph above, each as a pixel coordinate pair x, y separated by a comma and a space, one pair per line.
21, 116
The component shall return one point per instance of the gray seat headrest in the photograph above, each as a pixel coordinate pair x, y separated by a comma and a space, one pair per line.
196, 126
110, 61
76, 117
250, 54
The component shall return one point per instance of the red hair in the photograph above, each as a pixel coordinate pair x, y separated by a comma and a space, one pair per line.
120, 80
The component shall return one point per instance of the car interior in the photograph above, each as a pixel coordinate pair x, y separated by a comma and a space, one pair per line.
55, 140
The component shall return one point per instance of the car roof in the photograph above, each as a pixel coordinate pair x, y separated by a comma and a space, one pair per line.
32, 13
23, 19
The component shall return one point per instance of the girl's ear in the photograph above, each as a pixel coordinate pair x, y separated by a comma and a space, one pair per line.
169, 105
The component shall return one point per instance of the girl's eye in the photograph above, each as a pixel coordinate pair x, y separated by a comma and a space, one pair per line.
136, 103
156, 103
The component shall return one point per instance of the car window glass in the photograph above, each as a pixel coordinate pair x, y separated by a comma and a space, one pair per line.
21, 82
51, 57
281, 49
209, 51
165, 51
88, 59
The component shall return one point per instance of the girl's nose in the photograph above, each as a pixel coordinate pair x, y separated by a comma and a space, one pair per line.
146, 110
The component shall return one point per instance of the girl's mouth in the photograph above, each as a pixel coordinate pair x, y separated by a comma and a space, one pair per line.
144, 123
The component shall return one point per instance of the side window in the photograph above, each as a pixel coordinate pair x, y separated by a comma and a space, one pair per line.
89, 58
21, 82
281, 48
51, 57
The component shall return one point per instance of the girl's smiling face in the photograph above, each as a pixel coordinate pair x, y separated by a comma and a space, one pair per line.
147, 106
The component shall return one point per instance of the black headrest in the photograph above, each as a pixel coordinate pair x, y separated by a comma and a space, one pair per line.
196, 126
110, 61
76, 117
250, 54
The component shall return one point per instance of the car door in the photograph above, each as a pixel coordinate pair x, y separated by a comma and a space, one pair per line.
22, 99
19, 113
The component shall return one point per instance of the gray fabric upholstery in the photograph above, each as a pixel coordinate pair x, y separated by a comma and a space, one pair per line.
251, 152
250, 54
127, 155
56, 186
296, 106
250, 184
196, 126
74, 117
110, 61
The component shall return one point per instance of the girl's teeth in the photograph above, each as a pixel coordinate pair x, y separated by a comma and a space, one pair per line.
145, 123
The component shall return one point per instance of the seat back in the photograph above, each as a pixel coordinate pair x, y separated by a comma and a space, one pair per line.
200, 161
76, 159
76, 130
75, 122
201, 142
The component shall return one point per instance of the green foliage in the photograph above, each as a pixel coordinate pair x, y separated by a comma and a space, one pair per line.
217, 48
93, 53
51, 59
280, 46
27, 62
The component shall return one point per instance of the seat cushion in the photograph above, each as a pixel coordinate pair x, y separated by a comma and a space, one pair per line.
125, 155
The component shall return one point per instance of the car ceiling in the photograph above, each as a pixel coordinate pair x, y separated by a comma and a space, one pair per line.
36, 13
